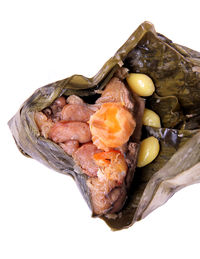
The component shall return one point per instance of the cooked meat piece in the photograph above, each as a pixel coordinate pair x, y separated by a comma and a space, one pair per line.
74, 99
107, 196
117, 197
112, 166
56, 108
84, 158
99, 191
63, 131
60, 102
76, 112
116, 91
108, 190
44, 124
70, 146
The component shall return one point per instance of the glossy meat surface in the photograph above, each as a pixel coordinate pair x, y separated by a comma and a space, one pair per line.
116, 91
84, 158
76, 112
63, 131
70, 146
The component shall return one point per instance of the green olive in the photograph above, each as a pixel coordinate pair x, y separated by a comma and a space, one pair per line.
141, 84
149, 149
150, 118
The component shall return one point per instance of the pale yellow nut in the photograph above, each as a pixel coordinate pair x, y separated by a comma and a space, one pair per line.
141, 84
149, 149
150, 118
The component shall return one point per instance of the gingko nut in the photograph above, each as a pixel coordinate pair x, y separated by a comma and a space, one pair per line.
150, 118
141, 84
149, 149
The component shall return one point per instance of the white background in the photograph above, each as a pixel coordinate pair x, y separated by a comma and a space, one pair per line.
42, 213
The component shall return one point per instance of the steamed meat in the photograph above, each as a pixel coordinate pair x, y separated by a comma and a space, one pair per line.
76, 112
56, 108
99, 191
44, 124
63, 131
59, 102
106, 196
74, 99
116, 91
84, 158
107, 190
70, 146
53, 112
112, 166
